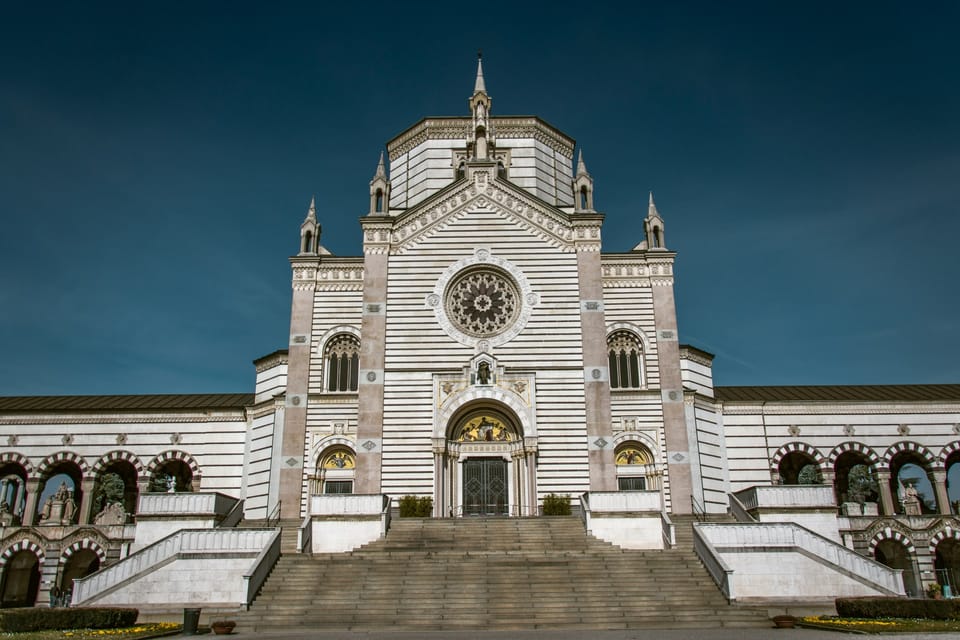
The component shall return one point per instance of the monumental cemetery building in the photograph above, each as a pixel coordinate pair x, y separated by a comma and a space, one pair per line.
484, 352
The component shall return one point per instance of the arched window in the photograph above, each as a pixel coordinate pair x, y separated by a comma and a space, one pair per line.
583, 197
343, 363
334, 473
636, 470
308, 242
379, 201
798, 467
625, 361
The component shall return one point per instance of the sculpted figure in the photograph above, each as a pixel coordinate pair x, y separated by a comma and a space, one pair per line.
483, 373
69, 510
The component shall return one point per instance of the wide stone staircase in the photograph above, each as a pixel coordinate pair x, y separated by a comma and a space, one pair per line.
494, 573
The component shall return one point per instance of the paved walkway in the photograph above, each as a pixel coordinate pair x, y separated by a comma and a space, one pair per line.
636, 634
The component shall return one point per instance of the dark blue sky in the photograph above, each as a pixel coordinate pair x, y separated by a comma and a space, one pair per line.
156, 160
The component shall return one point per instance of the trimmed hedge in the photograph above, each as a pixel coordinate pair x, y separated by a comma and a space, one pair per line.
555, 505
42, 618
414, 507
879, 607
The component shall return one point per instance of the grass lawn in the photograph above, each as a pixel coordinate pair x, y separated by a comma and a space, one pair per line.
881, 625
150, 630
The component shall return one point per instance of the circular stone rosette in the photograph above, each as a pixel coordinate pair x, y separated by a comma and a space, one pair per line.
482, 300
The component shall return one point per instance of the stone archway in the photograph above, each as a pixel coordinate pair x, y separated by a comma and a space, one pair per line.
20, 580
895, 550
483, 466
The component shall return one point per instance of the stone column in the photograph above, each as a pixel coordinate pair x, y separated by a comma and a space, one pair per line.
16, 509
531, 468
596, 375
938, 478
886, 496
87, 486
671, 384
373, 326
439, 504
517, 476
293, 431
33, 497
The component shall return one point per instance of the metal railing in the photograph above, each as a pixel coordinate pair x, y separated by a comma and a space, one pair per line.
515, 511
273, 518
949, 579
697, 510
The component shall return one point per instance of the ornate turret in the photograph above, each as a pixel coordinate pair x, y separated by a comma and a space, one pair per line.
481, 136
310, 231
582, 188
653, 225
380, 190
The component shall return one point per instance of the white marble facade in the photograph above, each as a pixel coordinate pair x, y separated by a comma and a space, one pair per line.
485, 353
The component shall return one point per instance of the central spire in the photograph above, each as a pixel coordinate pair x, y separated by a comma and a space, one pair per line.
480, 134
479, 86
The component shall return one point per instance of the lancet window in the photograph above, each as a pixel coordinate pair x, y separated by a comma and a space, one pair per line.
625, 361
343, 363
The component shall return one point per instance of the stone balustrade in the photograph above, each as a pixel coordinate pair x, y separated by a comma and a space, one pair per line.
180, 504
763, 538
343, 522
628, 519
221, 541
806, 496
624, 501
346, 504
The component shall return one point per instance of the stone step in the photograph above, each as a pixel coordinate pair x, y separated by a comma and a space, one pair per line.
429, 574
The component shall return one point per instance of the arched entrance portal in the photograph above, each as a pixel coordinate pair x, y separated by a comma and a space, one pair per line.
484, 467
897, 556
21, 580
79, 565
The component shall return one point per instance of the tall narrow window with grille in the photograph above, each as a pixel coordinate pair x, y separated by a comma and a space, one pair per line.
626, 360
343, 363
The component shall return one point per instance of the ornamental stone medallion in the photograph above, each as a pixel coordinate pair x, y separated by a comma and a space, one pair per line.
482, 301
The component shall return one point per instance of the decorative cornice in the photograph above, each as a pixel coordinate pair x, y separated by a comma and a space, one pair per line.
333, 397
840, 408
271, 360
437, 128
264, 409
458, 128
625, 395
696, 355
128, 418
340, 278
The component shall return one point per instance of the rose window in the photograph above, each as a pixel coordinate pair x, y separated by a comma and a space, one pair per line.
482, 302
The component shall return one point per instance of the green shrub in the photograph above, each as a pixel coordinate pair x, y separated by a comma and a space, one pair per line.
556, 505
42, 618
414, 507
879, 607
